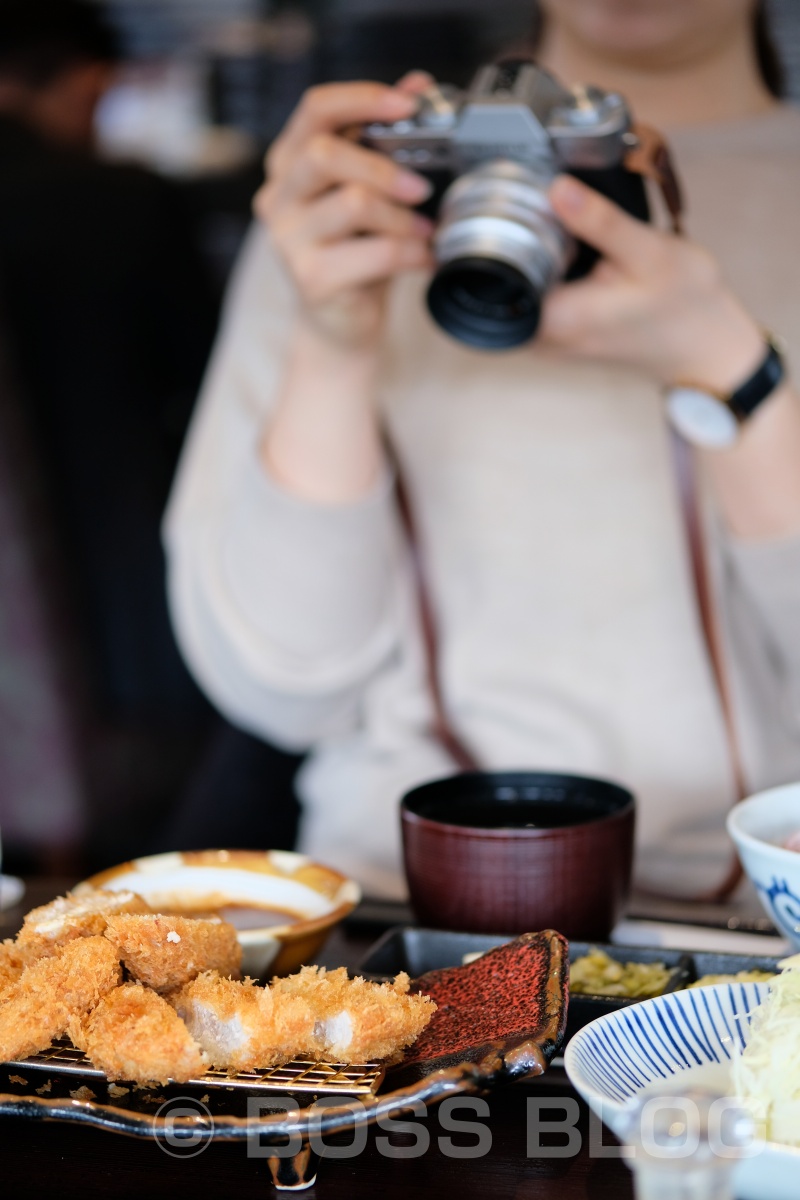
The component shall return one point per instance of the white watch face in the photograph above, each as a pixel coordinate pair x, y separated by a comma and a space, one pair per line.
701, 418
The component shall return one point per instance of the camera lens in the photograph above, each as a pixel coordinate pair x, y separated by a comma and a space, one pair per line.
499, 248
484, 303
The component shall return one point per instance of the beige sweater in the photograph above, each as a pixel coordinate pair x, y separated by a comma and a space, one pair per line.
553, 548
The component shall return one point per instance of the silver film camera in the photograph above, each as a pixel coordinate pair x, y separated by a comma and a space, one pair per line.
493, 152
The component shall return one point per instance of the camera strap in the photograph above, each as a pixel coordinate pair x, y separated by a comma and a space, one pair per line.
650, 157
686, 479
441, 728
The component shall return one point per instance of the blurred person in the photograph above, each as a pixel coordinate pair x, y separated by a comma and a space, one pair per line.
57, 61
108, 316
42, 815
546, 509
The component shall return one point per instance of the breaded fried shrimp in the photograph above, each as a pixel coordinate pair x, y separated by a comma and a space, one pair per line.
53, 991
72, 916
242, 1026
166, 952
356, 1020
133, 1034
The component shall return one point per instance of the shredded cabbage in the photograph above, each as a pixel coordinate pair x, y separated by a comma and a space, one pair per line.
766, 1075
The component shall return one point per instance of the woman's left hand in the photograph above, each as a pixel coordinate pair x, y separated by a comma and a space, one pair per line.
655, 300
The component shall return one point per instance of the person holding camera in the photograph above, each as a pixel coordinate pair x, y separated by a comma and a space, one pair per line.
547, 524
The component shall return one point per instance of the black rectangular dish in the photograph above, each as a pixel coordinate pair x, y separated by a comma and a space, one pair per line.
417, 951
707, 962
408, 948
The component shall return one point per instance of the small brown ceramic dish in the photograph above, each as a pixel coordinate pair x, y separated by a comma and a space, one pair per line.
501, 852
283, 905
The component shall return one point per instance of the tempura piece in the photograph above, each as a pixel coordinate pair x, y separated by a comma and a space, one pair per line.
242, 1026
12, 964
355, 1020
72, 916
166, 952
134, 1034
53, 991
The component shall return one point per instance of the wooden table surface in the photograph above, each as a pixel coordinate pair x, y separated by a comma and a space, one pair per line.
54, 1159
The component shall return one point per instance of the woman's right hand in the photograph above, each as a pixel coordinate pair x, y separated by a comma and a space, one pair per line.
340, 215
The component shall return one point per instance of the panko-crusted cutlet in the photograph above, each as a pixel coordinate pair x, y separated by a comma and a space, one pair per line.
241, 1026
356, 1020
166, 952
12, 964
53, 991
73, 916
133, 1034
64, 974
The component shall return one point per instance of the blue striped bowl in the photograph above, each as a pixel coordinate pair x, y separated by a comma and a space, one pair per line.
688, 1036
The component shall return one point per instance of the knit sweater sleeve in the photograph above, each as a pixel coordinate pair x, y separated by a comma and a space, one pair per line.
283, 608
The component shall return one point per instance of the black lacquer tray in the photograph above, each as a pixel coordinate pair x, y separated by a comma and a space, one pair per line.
417, 951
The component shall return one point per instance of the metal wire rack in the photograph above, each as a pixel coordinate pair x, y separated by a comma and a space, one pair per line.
350, 1079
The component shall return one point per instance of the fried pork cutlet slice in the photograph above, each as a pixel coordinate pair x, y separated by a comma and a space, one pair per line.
166, 952
53, 991
133, 1034
356, 1020
12, 964
73, 916
242, 1026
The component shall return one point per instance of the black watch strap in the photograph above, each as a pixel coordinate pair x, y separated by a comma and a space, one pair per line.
761, 384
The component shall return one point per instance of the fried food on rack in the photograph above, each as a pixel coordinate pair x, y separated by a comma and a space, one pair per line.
73, 916
133, 1034
356, 1020
316, 1014
53, 991
166, 952
242, 1026
12, 964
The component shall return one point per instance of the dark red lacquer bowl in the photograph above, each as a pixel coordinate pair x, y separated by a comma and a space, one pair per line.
505, 852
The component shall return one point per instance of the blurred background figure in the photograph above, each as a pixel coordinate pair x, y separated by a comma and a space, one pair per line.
57, 62
108, 312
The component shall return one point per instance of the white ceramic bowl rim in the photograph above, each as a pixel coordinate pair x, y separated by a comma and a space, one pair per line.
758, 805
162, 879
684, 1045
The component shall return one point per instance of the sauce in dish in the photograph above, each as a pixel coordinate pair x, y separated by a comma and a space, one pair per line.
240, 916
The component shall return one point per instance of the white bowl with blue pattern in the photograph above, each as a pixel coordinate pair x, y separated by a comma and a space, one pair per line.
689, 1038
759, 827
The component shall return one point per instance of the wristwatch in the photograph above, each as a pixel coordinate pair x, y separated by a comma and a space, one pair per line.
708, 418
